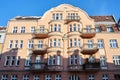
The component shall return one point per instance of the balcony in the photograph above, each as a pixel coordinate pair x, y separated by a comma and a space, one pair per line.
37, 67
39, 49
55, 33
72, 18
55, 67
40, 34
73, 33
89, 49
88, 33
75, 68
91, 66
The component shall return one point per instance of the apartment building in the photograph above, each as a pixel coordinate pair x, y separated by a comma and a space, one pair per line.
63, 44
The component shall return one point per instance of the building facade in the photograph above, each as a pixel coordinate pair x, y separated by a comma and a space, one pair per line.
63, 44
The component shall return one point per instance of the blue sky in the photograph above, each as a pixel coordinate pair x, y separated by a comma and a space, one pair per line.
12, 8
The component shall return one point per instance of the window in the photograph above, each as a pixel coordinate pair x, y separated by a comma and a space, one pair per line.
116, 60
54, 42
90, 44
59, 40
71, 59
50, 43
110, 29
53, 16
0, 36
78, 42
58, 77
70, 28
58, 60
88, 29
100, 43
59, 28
113, 43
74, 27
4, 77
74, 77
78, 28
30, 44
80, 60
25, 77
54, 60
91, 77
16, 44
36, 77
14, 77
21, 43
18, 61
57, 16
40, 44
60, 16
98, 29
104, 77
75, 59
15, 29
12, 62
75, 42
7, 59
103, 61
48, 77
50, 60
28, 60
41, 29
55, 28
70, 42
51, 28
32, 29
22, 29
10, 43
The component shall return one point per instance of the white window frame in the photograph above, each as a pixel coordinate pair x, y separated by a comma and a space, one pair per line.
50, 43
40, 44
100, 43
12, 61
116, 60
18, 61
55, 28
4, 77
59, 42
10, 43
70, 42
59, 28
36, 77
13, 77
91, 77
21, 43
30, 44
32, 29
110, 29
48, 77
113, 43
54, 60
58, 77
70, 28
53, 16
75, 28
25, 77
16, 44
58, 59
75, 59
105, 77
28, 60
75, 42
51, 28
78, 42
103, 61
15, 29
7, 60
78, 28
22, 29
71, 59
74, 77
55, 42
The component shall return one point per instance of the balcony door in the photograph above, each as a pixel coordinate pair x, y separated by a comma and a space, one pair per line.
88, 29
37, 61
40, 44
90, 44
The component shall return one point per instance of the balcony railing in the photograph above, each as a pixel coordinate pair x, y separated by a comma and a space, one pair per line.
91, 66
55, 67
41, 66
89, 49
39, 49
75, 68
40, 33
72, 18
88, 33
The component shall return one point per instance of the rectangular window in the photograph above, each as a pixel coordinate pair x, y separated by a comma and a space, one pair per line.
71, 60
103, 61
21, 43
80, 60
22, 29
51, 28
7, 59
42, 30
91, 77
26, 77
88, 29
10, 43
28, 60
100, 43
16, 44
74, 27
70, 42
54, 42
36, 77
54, 60
4, 77
30, 44
75, 59
53, 16
15, 29
14, 77
12, 62
57, 16
90, 44
78, 28
78, 42
75, 42
50, 43
98, 29
116, 60
49, 60
32, 29
70, 28
48, 77
40, 44
105, 77
60, 16
58, 60
110, 29
18, 61
58, 77
55, 28
59, 43
59, 28
113, 43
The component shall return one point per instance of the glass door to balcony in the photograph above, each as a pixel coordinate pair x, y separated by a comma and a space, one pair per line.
37, 61
41, 29
88, 29
40, 44
90, 44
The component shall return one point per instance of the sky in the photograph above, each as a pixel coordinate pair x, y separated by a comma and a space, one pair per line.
12, 8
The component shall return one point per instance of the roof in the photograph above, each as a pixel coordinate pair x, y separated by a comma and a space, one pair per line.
103, 18
26, 17
2, 28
